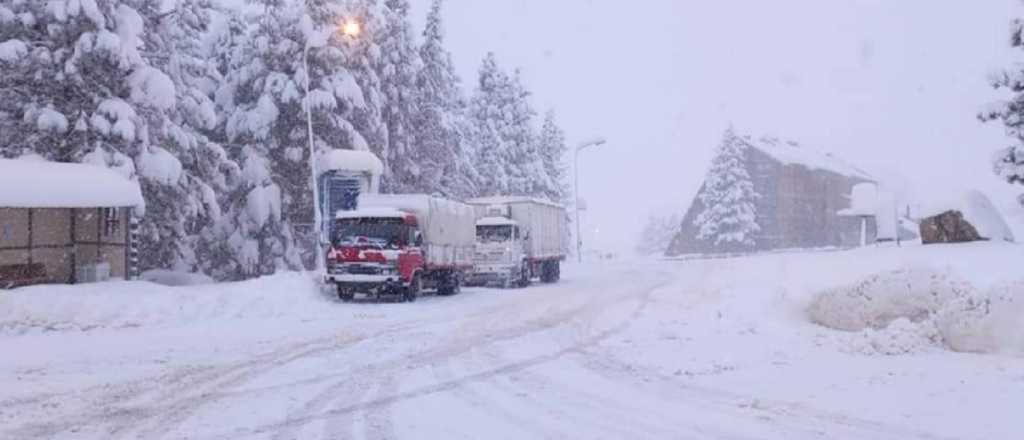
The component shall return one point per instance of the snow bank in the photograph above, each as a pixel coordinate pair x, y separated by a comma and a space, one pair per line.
139, 304
63, 185
908, 310
175, 278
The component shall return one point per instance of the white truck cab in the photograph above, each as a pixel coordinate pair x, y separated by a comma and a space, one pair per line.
517, 239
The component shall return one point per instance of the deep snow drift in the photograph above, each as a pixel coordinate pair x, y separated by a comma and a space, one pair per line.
865, 344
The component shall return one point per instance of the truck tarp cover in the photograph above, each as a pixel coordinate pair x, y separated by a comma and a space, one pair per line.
545, 222
449, 227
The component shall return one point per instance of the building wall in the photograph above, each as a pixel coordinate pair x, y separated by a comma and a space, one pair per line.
796, 209
53, 242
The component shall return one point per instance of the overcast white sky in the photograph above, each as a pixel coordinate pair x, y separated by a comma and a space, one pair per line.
892, 86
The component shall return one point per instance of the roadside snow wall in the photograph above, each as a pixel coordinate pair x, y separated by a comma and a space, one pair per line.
901, 311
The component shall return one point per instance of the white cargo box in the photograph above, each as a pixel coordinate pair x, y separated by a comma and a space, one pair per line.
448, 226
543, 221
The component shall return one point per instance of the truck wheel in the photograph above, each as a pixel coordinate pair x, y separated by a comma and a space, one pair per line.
547, 272
558, 270
345, 295
409, 294
451, 285
524, 276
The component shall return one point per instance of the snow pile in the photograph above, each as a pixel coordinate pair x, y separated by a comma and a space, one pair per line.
978, 210
911, 310
63, 185
175, 278
120, 304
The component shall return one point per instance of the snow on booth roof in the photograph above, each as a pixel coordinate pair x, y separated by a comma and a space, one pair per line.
26, 183
978, 210
792, 153
351, 160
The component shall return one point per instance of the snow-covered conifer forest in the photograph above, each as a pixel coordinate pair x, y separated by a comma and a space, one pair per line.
204, 106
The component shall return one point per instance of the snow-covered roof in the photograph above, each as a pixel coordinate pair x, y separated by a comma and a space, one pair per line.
792, 153
351, 160
495, 221
26, 183
504, 200
371, 213
978, 210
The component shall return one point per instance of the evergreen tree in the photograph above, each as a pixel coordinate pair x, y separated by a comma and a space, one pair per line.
728, 197
74, 85
552, 150
171, 230
440, 126
397, 69
266, 126
1008, 163
506, 159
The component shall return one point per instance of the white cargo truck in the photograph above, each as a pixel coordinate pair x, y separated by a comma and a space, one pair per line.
518, 239
400, 245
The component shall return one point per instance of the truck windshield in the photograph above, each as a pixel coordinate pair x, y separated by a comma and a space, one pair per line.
379, 232
494, 234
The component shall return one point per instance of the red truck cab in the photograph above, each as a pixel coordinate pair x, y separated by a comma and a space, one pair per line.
377, 253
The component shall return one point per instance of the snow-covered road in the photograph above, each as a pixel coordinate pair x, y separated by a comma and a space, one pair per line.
700, 349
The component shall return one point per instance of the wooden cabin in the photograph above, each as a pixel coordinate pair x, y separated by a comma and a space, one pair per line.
64, 223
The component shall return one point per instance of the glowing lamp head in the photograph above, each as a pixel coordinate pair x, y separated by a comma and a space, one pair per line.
351, 28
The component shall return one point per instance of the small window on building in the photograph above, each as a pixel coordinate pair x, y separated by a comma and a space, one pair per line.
111, 221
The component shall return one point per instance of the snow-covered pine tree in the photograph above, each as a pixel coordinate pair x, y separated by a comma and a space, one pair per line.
1008, 163
728, 197
439, 135
552, 149
506, 160
266, 126
184, 169
397, 69
75, 86
362, 56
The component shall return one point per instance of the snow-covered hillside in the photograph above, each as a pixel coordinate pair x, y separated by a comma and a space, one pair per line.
722, 348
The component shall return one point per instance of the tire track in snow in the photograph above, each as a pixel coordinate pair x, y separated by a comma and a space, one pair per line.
423, 359
794, 418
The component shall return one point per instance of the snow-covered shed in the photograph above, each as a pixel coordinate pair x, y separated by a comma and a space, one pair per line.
63, 223
801, 193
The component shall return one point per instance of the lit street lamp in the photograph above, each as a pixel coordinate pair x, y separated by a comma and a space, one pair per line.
576, 191
349, 28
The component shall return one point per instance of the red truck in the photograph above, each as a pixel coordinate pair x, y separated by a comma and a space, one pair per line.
398, 246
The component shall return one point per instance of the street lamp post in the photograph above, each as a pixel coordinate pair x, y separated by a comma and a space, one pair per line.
576, 191
352, 29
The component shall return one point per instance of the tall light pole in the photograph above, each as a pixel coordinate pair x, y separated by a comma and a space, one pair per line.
351, 29
576, 190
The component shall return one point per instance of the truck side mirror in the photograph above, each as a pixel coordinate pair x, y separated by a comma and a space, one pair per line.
419, 239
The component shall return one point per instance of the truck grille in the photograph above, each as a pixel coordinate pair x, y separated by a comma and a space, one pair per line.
363, 270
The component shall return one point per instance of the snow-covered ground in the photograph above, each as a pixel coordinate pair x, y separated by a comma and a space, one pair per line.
723, 348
